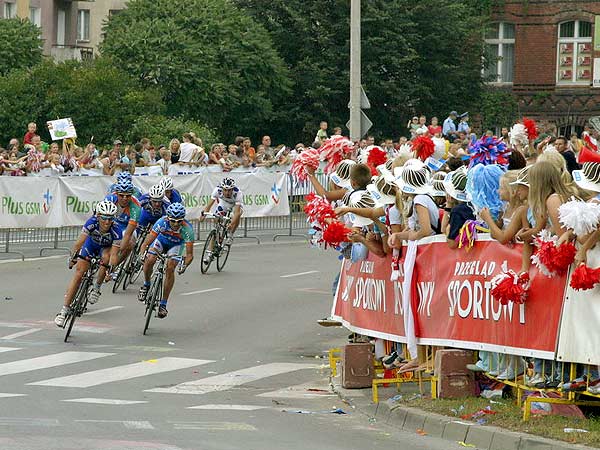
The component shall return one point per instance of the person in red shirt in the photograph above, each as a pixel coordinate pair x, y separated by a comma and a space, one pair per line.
434, 128
31, 132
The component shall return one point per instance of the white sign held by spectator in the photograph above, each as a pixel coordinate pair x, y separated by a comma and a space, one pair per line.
61, 129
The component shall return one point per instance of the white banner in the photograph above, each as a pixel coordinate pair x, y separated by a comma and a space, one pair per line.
56, 202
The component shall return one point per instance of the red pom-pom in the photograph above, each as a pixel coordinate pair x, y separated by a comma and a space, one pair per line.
336, 233
563, 257
531, 126
550, 259
334, 150
423, 147
377, 157
308, 158
510, 287
584, 278
318, 209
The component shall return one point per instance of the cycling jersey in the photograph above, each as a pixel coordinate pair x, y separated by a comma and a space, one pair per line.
175, 196
171, 241
136, 192
226, 204
128, 215
96, 240
149, 215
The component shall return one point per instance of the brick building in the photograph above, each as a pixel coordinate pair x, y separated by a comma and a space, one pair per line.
548, 53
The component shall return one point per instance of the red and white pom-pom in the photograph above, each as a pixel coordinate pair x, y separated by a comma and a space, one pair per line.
309, 158
581, 217
334, 150
510, 287
318, 209
405, 150
34, 160
395, 264
544, 244
423, 147
590, 142
377, 157
531, 127
584, 278
336, 233
563, 257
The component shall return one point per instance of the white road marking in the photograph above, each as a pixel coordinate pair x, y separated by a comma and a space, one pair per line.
91, 329
20, 333
201, 292
8, 349
42, 258
121, 373
230, 407
231, 379
29, 422
3, 395
301, 391
111, 308
44, 362
213, 426
298, 274
13, 325
129, 424
105, 401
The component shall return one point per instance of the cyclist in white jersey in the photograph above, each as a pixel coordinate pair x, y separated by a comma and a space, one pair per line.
229, 201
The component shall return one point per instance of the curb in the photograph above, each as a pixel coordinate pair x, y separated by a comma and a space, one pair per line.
482, 437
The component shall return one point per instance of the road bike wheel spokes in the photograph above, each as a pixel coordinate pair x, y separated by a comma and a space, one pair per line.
117, 282
223, 254
211, 242
137, 270
77, 306
152, 300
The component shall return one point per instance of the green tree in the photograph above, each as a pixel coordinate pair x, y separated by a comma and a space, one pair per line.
498, 108
212, 61
103, 101
417, 57
21, 45
161, 129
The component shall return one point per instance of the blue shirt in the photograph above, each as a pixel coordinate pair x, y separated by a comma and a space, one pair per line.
163, 229
149, 215
92, 229
136, 192
175, 197
464, 127
127, 215
449, 127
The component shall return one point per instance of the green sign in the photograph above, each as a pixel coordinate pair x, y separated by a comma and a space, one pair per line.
597, 33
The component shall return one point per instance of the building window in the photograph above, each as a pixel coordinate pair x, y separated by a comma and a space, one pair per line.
10, 10
83, 25
35, 16
574, 53
500, 52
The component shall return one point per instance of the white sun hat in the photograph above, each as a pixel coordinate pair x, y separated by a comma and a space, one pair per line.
413, 178
358, 199
588, 177
341, 175
455, 185
383, 190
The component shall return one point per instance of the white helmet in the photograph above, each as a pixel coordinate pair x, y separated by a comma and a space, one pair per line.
106, 208
167, 183
157, 192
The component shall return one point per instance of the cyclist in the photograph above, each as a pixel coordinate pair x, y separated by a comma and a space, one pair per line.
167, 237
124, 176
173, 195
153, 206
127, 216
99, 234
229, 200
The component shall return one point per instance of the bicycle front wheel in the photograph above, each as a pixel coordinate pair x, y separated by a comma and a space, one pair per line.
223, 254
77, 306
209, 246
121, 268
152, 300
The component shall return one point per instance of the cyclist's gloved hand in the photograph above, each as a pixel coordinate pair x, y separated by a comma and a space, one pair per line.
72, 261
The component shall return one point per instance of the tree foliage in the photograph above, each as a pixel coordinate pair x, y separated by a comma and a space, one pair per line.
498, 108
20, 45
101, 99
160, 129
212, 61
417, 57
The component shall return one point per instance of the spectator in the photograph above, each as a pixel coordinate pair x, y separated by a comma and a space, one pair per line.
110, 163
413, 126
575, 144
322, 133
31, 133
118, 146
463, 125
146, 145
190, 152
370, 141
449, 128
215, 154
13, 145
504, 134
152, 156
165, 159
337, 131
175, 150
561, 147
435, 129
266, 142
138, 157
247, 149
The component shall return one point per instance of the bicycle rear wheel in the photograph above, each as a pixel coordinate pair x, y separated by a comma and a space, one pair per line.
211, 243
152, 299
223, 254
136, 270
119, 280
77, 307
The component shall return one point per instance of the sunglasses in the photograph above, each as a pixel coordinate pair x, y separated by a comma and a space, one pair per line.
175, 220
103, 217
124, 195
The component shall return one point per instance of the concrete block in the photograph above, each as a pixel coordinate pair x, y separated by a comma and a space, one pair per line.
414, 420
531, 443
434, 426
456, 431
565, 446
505, 441
397, 417
480, 437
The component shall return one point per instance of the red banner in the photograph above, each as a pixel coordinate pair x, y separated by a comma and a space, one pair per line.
452, 304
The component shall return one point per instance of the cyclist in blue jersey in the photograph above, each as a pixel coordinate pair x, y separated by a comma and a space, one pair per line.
127, 217
99, 234
171, 235
173, 195
124, 176
153, 206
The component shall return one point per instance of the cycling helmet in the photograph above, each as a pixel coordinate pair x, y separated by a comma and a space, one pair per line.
176, 211
167, 183
106, 208
124, 176
124, 186
156, 192
228, 183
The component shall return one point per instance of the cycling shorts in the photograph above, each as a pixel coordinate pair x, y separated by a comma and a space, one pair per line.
90, 249
172, 251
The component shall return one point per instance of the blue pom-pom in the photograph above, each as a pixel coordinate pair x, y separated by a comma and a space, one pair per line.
483, 182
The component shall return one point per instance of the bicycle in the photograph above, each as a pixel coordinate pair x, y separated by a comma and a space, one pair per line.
125, 266
79, 303
133, 267
154, 295
216, 240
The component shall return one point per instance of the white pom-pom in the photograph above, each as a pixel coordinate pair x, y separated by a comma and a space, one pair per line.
581, 217
518, 134
404, 150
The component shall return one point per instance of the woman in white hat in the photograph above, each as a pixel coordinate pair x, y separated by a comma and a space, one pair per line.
457, 198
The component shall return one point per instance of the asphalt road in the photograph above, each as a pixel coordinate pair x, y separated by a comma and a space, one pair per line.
238, 363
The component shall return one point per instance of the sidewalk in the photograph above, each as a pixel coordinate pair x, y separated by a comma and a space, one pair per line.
469, 434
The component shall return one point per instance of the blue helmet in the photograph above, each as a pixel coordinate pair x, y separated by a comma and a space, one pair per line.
124, 176
176, 211
124, 186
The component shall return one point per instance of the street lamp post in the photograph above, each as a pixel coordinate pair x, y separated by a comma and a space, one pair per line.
355, 81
